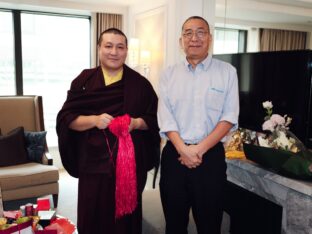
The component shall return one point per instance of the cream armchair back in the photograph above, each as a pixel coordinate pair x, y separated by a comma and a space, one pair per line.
28, 179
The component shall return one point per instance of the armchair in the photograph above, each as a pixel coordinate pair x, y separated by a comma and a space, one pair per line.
30, 179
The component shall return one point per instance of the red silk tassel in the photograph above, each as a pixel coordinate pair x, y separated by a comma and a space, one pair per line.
126, 186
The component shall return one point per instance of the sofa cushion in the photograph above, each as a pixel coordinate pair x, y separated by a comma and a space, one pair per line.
25, 175
35, 145
12, 148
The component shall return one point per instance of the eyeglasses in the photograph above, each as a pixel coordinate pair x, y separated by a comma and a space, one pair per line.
199, 34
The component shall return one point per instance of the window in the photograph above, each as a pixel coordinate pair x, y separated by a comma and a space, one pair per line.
55, 49
7, 71
229, 41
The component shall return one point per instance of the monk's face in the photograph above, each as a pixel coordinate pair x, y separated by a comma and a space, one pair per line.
112, 51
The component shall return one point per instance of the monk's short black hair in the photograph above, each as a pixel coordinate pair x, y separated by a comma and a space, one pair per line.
199, 18
114, 31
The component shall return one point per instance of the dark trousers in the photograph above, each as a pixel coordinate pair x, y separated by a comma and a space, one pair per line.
200, 189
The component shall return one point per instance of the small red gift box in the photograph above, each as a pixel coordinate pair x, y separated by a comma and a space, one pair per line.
43, 204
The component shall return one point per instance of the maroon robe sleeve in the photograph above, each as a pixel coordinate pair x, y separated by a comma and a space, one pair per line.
66, 137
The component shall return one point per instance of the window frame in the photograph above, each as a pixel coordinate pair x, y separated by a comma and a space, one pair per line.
17, 30
242, 38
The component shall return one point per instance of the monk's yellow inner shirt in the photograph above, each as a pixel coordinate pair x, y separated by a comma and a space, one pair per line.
112, 79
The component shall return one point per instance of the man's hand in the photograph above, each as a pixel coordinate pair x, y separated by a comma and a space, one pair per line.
189, 156
103, 120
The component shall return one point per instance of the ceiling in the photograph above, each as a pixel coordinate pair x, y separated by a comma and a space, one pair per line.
288, 12
301, 3
269, 11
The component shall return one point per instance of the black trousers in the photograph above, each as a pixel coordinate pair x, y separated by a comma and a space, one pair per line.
200, 189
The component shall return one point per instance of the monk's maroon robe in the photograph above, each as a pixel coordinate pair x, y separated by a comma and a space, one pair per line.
85, 154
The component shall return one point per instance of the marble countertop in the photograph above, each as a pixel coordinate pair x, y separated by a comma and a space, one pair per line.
301, 186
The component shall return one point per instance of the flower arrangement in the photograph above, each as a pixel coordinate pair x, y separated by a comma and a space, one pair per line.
279, 136
278, 148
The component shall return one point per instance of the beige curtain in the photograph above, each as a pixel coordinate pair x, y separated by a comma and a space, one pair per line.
105, 21
276, 40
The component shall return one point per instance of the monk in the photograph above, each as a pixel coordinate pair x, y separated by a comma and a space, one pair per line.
89, 150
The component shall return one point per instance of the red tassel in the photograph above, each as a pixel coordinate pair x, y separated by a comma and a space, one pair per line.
126, 186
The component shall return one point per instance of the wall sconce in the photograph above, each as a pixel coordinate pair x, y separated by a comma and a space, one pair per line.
145, 61
133, 52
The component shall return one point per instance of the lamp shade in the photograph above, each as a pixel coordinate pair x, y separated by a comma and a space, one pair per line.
145, 58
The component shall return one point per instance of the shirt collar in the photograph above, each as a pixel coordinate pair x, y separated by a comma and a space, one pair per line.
112, 79
202, 65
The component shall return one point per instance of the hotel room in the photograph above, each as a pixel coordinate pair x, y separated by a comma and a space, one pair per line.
45, 44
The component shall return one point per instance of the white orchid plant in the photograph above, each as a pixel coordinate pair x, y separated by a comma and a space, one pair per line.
278, 127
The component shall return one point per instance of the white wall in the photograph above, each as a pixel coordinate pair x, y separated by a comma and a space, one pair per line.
148, 22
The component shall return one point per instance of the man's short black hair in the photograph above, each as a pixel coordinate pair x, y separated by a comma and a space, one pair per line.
114, 31
199, 18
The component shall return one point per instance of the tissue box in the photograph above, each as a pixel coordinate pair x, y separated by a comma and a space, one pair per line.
46, 216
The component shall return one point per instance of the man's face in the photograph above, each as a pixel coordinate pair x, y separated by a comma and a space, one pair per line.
112, 51
195, 39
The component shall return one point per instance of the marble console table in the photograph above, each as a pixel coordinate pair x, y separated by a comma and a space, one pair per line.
295, 196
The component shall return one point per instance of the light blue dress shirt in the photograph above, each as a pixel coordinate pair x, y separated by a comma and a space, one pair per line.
193, 101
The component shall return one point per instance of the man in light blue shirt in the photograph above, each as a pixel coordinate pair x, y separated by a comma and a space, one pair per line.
198, 106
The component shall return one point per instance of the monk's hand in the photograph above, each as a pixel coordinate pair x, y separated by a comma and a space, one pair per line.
103, 120
189, 157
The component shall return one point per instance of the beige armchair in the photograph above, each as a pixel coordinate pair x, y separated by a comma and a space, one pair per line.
29, 179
